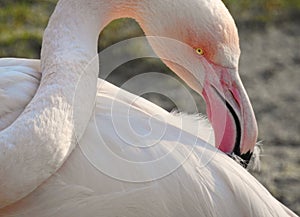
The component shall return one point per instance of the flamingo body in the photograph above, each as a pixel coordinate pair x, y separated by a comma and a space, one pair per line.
197, 187
118, 154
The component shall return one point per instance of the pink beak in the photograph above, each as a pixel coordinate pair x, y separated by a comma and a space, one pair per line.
230, 112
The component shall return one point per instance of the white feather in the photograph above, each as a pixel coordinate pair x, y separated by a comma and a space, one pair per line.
207, 183
168, 168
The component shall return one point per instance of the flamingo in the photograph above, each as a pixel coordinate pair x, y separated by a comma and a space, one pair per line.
55, 162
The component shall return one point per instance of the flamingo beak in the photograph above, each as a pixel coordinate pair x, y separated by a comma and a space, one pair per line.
230, 113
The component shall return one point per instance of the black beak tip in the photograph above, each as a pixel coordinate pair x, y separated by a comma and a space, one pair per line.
242, 159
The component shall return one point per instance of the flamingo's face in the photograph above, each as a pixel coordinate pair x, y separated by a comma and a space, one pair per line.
207, 59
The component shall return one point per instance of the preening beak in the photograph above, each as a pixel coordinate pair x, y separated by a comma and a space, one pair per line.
227, 105
230, 113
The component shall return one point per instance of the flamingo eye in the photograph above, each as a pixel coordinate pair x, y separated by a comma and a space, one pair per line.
199, 51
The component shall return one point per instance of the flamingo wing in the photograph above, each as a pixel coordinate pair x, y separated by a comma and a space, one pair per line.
192, 177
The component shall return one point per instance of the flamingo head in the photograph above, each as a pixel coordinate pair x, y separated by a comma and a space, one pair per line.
199, 42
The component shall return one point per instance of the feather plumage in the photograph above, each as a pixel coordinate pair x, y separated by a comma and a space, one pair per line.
206, 183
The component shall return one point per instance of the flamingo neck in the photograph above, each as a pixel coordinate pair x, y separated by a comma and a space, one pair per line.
75, 25
38, 142
42, 137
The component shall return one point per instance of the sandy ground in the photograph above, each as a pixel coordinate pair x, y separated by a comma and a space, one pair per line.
270, 64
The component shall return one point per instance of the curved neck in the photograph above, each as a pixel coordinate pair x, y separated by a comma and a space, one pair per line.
39, 141
75, 25
36, 145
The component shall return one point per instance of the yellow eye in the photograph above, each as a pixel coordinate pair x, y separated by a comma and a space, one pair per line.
200, 51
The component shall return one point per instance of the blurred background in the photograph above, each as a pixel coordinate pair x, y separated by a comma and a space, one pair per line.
269, 68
